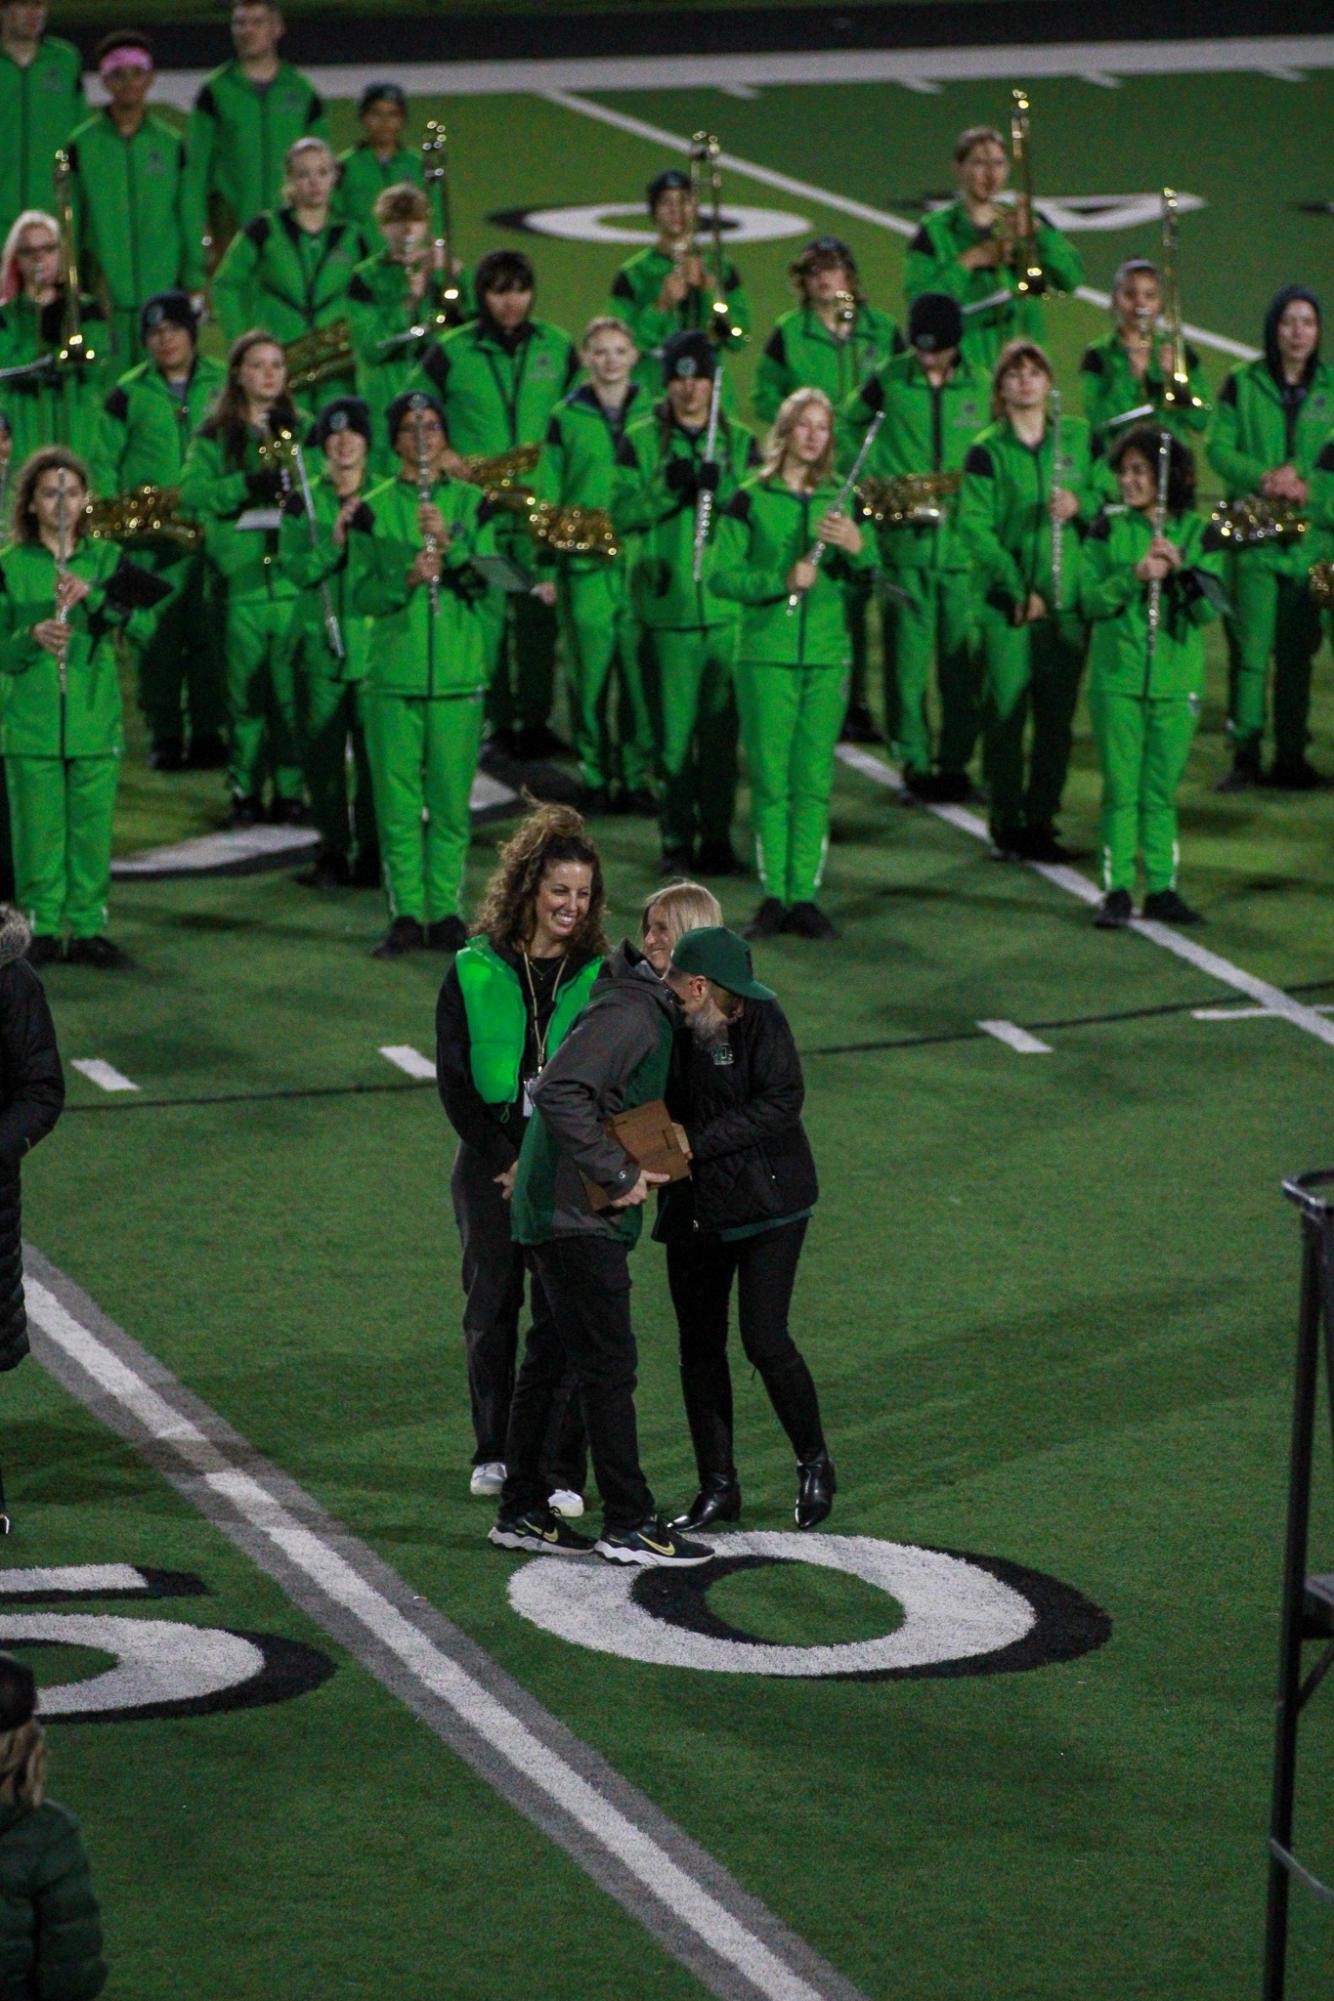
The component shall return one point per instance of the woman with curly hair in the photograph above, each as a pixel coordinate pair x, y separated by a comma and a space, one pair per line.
505, 1006
50, 1930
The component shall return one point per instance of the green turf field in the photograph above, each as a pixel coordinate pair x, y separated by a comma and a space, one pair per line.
1049, 1301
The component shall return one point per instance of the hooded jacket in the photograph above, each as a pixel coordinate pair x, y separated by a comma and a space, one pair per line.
32, 1092
1263, 422
50, 1930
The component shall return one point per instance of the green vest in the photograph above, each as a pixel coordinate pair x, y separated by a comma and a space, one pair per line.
498, 1018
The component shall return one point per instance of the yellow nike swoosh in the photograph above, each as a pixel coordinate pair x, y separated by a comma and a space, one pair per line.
663, 1548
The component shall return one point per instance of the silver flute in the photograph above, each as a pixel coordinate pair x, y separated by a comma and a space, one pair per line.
1155, 606
815, 554
704, 503
1057, 538
424, 496
333, 632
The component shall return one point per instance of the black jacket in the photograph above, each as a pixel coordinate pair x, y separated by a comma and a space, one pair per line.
32, 1091
751, 1159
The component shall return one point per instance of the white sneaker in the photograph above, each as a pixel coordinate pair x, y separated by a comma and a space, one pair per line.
566, 1502
488, 1478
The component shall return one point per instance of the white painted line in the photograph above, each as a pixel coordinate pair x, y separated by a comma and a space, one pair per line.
102, 1074
1248, 1013
404, 1057
745, 91
229, 848
1284, 75
1273, 999
1016, 1038
923, 85
1100, 79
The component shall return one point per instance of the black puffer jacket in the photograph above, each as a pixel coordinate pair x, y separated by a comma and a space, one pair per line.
32, 1091
751, 1159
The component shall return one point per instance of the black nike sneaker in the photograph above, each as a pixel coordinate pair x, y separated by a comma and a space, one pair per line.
540, 1530
654, 1546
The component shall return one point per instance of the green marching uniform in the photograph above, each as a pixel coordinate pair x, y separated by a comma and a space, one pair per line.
259, 599
62, 733
1320, 504
1144, 709
379, 312
932, 266
926, 430
327, 690
425, 680
40, 105
56, 406
286, 279
634, 299
1258, 427
363, 177
1115, 397
235, 142
599, 632
127, 196
143, 437
498, 392
802, 353
1004, 523
790, 672
690, 634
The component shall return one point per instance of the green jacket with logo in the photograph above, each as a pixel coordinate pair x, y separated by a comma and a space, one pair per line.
235, 144
410, 652
39, 108
1255, 431
802, 353
499, 391
314, 561
578, 463
925, 430
634, 299
378, 310
1003, 517
1111, 389
57, 407
217, 490
82, 719
363, 177
145, 432
128, 207
932, 266
765, 529
662, 582
50, 1928
1116, 602
284, 278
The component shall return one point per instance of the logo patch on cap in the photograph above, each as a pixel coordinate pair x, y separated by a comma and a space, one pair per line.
155, 316
687, 366
419, 402
339, 421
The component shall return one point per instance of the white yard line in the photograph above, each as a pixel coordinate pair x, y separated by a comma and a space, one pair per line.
105, 1075
1016, 1038
1248, 1013
411, 1061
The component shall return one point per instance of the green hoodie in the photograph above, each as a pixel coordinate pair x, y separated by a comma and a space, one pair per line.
127, 207
933, 266
145, 432
1115, 398
363, 178
662, 581
235, 142
39, 108
801, 353
925, 430
77, 713
284, 278
50, 1929
1003, 518
498, 390
1116, 602
765, 529
410, 652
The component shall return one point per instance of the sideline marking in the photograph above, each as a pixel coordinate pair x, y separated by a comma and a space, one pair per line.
105, 1075
1272, 999
1017, 1038
1248, 1013
411, 1061
699, 1913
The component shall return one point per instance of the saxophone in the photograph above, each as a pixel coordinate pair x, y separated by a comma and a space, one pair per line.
573, 531
1254, 518
1320, 579
913, 499
315, 356
500, 476
145, 514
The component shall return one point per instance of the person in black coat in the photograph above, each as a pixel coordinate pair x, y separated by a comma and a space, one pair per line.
741, 1217
32, 1092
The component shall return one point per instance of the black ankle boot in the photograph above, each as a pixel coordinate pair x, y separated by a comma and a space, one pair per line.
718, 1500
816, 1487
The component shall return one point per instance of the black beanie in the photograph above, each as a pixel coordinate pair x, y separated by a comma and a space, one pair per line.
671, 177
688, 353
168, 309
402, 406
934, 323
18, 1693
342, 413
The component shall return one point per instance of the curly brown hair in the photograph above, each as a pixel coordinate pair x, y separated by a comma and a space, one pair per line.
547, 835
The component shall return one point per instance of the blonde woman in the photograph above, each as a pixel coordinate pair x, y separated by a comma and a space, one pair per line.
289, 269
50, 1929
794, 651
670, 913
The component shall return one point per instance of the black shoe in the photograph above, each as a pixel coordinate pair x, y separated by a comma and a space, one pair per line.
1115, 911
768, 921
859, 726
1244, 774
653, 1546
540, 1530
287, 812
953, 788
1164, 906
816, 1487
207, 753
404, 935
247, 812
44, 950
717, 858
718, 1500
1041, 845
366, 871
807, 920
329, 872
1293, 775
675, 861
1009, 844
922, 785
595, 802
167, 756
99, 952
497, 751
447, 934
640, 803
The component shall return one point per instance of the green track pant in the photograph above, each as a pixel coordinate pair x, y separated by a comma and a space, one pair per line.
328, 721
179, 661
790, 720
860, 594
689, 683
936, 622
261, 697
519, 642
601, 640
423, 754
1143, 743
1274, 616
60, 814
1028, 668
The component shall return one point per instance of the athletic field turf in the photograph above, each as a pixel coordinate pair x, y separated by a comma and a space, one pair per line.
1048, 1298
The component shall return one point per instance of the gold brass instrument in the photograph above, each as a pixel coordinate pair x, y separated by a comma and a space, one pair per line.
1321, 581
705, 150
1029, 277
315, 356
74, 351
276, 451
62, 549
573, 531
501, 476
435, 177
1254, 518
913, 500
144, 514
1178, 390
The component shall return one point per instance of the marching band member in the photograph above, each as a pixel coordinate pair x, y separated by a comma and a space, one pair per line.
378, 161
935, 403
1148, 591
41, 102
426, 672
1024, 489
146, 426
1272, 418
58, 402
791, 660
668, 287
1126, 377
831, 340
289, 269
968, 250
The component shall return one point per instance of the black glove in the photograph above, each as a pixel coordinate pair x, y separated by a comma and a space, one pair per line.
264, 487
710, 474
680, 476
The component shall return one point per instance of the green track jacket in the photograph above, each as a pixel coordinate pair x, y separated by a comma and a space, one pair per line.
1116, 603
83, 720
765, 529
128, 207
283, 278
1110, 389
323, 563
50, 1930
499, 391
1003, 517
932, 266
39, 108
235, 141
218, 493
144, 432
634, 299
1255, 431
58, 408
662, 583
578, 463
377, 311
925, 430
363, 178
1321, 505
411, 653
801, 353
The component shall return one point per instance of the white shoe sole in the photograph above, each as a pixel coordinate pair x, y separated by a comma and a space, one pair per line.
648, 1559
512, 1539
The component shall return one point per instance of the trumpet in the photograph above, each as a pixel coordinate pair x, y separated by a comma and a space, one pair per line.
1155, 605
705, 152
1030, 279
315, 356
1254, 518
435, 177
573, 531
1178, 390
913, 499
74, 351
145, 514
1320, 580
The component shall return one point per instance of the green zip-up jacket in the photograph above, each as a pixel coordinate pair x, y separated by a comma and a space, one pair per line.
410, 652
284, 278
235, 142
925, 430
39, 718
644, 504
39, 108
1111, 391
578, 463
127, 207
50, 1928
363, 177
1003, 516
379, 310
1116, 602
1320, 505
497, 1013
1256, 430
219, 493
59, 407
498, 391
765, 529
932, 266
145, 430
634, 299
312, 563
801, 353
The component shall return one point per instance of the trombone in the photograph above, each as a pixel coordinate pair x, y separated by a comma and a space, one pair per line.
1030, 279
74, 350
435, 178
1178, 391
705, 154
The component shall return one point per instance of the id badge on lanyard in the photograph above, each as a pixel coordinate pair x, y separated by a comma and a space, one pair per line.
528, 1083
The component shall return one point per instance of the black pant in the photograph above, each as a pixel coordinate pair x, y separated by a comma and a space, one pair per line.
493, 1274
587, 1285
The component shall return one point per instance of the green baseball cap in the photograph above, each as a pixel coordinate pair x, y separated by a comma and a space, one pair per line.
719, 955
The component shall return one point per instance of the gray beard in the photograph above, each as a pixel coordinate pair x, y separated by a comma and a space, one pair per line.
709, 1030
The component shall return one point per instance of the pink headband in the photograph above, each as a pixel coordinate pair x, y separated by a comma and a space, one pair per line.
125, 57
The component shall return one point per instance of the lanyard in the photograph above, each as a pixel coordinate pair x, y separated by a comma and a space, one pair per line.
510, 398
540, 1037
